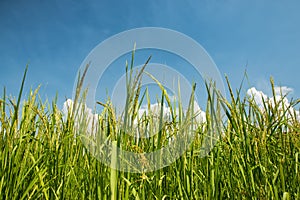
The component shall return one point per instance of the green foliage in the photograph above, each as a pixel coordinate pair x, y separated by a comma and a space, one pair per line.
257, 156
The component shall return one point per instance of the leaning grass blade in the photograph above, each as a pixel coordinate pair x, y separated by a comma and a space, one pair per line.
164, 91
114, 172
16, 106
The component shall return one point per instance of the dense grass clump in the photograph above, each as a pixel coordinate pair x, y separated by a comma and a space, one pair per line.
257, 156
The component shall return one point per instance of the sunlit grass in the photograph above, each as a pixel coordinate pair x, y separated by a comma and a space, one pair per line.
256, 157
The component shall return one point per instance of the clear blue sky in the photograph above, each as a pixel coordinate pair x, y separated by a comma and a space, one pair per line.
54, 37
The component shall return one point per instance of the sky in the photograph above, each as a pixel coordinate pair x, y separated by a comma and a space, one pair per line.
260, 37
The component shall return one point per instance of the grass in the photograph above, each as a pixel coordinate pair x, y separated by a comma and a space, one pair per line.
256, 158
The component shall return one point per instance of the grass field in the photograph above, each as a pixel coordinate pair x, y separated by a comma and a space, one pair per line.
256, 158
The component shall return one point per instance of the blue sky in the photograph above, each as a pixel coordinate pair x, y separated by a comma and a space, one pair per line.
54, 37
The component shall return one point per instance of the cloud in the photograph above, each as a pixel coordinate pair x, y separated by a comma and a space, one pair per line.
200, 114
84, 113
280, 100
283, 90
258, 96
155, 109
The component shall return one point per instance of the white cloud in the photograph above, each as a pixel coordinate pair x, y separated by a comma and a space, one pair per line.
200, 114
67, 107
84, 111
258, 96
283, 90
283, 103
155, 110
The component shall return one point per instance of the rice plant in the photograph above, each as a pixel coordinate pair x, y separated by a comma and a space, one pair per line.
256, 156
